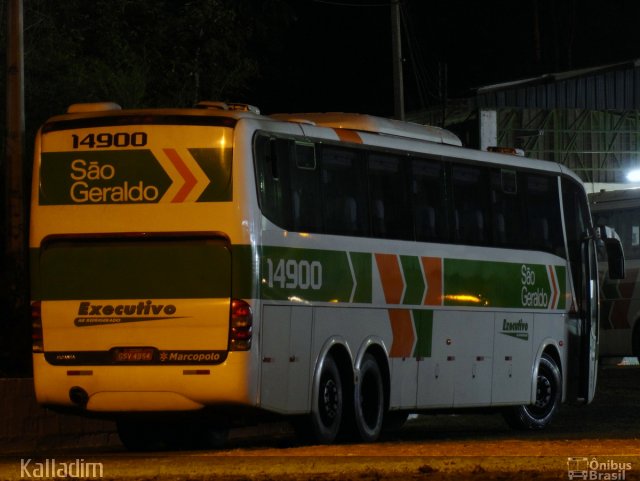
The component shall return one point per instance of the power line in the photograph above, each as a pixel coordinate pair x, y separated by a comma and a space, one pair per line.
428, 83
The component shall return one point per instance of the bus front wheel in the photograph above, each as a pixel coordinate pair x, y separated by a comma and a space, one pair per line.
548, 396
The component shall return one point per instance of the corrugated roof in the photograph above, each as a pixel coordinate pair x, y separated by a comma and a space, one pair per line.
607, 87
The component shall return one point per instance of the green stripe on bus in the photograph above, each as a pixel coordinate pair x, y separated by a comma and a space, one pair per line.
423, 323
502, 284
361, 262
197, 269
413, 280
306, 275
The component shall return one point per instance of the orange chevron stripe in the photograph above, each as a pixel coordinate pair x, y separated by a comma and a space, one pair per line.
190, 180
403, 336
433, 272
391, 277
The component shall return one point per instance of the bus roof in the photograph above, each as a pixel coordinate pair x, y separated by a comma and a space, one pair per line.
370, 123
77, 113
227, 114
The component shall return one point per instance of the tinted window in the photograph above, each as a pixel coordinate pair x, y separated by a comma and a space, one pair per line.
305, 189
428, 200
543, 213
507, 209
626, 222
578, 224
471, 218
344, 192
272, 166
312, 187
390, 213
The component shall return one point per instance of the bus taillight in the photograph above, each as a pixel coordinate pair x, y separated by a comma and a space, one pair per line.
241, 326
37, 344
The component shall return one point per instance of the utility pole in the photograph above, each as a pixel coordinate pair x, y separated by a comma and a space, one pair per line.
396, 49
15, 264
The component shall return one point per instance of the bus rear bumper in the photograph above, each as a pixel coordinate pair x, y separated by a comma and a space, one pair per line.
140, 401
136, 388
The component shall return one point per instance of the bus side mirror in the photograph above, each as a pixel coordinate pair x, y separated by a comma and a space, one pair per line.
613, 249
615, 257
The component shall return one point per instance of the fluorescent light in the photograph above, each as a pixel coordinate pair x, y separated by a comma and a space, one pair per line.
633, 175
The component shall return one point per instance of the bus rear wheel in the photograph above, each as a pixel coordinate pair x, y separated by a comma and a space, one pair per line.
328, 403
548, 396
369, 400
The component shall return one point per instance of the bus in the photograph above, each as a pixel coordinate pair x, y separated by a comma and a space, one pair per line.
198, 269
620, 299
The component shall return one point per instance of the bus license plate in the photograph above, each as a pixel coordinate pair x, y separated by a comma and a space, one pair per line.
137, 354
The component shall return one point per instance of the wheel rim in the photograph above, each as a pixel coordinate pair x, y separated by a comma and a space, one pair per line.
329, 402
544, 397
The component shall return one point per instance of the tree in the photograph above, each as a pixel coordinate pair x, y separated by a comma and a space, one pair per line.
139, 53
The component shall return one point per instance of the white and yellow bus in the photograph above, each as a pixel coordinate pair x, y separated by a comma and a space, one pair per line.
213, 266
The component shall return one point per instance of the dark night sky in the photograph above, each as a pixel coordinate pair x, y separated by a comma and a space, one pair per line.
338, 58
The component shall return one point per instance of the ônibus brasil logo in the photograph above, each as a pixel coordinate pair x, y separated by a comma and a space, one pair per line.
93, 314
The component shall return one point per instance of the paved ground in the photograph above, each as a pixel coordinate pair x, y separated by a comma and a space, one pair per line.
600, 441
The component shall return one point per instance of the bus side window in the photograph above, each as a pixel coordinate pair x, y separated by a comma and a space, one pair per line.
305, 189
344, 192
428, 200
390, 213
506, 208
543, 214
271, 157
470, 209
626, 223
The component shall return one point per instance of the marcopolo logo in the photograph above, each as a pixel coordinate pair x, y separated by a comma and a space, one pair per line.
93, 314
191, 357
518, 329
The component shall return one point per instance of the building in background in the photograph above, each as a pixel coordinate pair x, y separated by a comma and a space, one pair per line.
587, 119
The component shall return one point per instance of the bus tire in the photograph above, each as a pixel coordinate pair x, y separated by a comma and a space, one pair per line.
548, 398
369, 400
328, 404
